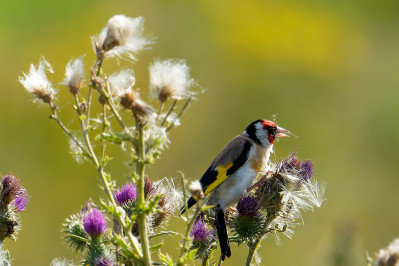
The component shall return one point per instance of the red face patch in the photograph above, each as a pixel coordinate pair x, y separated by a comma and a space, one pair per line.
268, 123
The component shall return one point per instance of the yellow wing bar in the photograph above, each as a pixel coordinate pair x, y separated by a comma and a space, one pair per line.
222, 175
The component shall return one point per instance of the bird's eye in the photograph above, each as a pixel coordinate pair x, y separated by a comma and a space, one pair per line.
271, 130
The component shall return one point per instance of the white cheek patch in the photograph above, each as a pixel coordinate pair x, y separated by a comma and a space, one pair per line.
261, 134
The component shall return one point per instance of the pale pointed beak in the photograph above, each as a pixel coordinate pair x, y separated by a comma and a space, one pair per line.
280, 132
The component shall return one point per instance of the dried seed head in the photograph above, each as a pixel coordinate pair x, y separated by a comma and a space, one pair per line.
390, 255
36, 82
121, 82
74, 75
170, 79
122, 36
130, 100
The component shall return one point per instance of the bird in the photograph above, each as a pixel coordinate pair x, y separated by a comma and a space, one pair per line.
234, 170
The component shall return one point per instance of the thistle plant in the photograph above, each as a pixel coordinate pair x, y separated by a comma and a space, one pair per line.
124, 228
273, 206
13, 200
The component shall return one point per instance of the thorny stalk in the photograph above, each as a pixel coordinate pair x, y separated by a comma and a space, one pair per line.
111, 104
206, 259
90, 152
104, 143
55, 117
97, 65
186, 240
140, 165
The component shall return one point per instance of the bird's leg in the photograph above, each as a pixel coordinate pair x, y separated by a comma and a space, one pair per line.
260, 182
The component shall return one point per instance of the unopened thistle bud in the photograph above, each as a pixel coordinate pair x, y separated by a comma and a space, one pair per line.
36, 82
74, 75
94, 223
170, 79
195, 189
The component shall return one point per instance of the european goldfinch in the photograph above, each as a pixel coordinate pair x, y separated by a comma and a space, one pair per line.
234, 170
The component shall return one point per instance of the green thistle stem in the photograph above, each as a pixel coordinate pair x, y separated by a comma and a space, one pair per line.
253, 247
134, 242
181, 112
186, 240
169, 112
206, 259
97, 65
140, 165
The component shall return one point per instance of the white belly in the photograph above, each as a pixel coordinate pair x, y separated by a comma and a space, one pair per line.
234, 187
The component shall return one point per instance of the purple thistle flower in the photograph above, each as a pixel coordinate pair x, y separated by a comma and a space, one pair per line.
126, 195
291, 163
306, 170
10, 189
94, 223
103, 262
21, 201
200, 233
248, 206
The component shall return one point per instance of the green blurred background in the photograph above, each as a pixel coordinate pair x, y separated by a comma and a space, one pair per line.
328, 69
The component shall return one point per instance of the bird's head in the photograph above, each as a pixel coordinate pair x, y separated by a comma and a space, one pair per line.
264, 132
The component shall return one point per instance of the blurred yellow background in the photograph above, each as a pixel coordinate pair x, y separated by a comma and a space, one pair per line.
328, 70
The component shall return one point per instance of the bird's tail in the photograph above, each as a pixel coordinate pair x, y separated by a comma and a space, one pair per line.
190, 203
222, 233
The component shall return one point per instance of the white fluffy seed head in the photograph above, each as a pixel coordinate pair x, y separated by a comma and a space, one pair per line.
170, 79
121, 82
74, 75
389, 255
36, 82
122, 36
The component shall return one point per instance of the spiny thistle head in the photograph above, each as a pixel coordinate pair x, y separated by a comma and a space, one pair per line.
74, 227
204, 239
248, 223
36, 82
126, 195
248, 206
94, 223
287, 191
13, 192
200, 233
